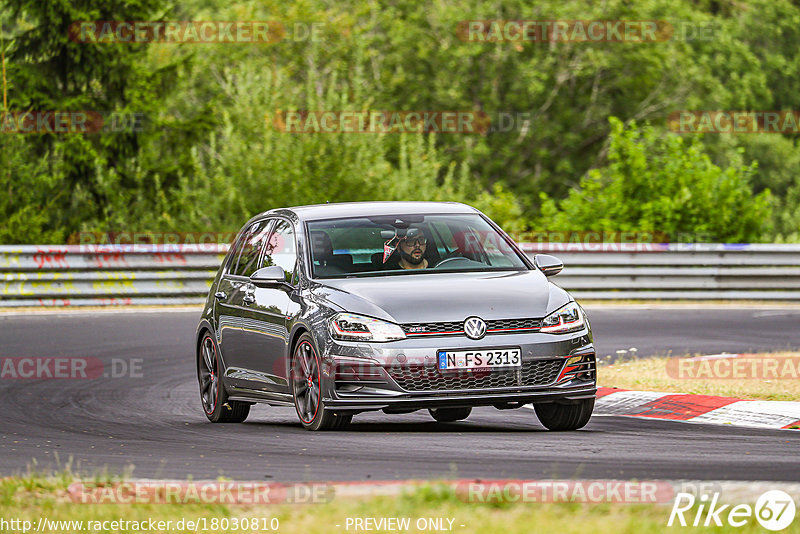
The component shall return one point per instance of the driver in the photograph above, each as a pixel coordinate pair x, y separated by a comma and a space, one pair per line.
412, 249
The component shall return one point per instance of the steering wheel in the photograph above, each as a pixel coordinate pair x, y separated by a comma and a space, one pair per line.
452, 260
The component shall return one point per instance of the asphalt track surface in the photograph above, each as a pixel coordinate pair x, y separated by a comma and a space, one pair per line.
152, 426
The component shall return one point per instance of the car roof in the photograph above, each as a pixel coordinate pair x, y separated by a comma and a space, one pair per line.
364, 209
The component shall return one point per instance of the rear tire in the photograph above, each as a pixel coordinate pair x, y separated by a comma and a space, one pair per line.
565, 416
449, 415
217, 407
306, 383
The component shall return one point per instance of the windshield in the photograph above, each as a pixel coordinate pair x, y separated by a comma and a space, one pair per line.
398, 244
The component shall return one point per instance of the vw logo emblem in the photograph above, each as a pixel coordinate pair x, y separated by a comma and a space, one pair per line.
475, 328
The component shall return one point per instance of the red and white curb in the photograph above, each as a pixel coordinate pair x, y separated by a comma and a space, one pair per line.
698, 408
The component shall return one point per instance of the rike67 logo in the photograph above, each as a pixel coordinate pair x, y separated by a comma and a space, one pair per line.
774, 510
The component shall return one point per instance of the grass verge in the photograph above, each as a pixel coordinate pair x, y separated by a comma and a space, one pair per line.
753, 379
32, 497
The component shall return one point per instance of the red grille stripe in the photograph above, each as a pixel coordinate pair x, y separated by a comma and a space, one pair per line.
510, 329
434, 333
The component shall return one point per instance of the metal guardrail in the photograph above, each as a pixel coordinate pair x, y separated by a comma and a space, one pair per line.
696, 271
100, 275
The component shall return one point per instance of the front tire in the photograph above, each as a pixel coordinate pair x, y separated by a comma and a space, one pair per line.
449, 415
565, 416
306, 381
217, 407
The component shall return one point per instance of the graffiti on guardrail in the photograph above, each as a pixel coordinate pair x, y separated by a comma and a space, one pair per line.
51, 257
170, 258
109, 259
54, 302
35, 287
131, 274
10, 257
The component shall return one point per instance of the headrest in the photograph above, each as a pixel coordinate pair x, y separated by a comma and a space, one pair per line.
321, 244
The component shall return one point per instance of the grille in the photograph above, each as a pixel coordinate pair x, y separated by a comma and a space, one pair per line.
455, 328
534, 373
514, 324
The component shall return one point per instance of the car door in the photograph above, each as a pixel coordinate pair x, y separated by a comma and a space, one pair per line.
227, 315
233, 294
264, 317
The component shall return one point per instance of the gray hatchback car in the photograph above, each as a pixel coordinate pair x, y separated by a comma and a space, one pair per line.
338, 309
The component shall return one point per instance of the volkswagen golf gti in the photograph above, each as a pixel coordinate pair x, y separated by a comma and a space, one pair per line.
338, 309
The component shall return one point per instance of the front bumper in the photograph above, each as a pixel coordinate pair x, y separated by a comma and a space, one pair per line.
500, 399
403, 375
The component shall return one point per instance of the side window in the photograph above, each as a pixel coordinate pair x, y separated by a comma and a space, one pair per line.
237, 245
253, 243
281, 249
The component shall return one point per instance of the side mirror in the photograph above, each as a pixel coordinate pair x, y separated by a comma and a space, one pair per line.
269, 276
549, 265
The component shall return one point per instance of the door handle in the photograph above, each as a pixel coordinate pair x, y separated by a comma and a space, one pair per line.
248, 298
220, 295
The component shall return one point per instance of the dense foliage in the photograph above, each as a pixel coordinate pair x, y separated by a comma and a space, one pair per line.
656, 184
588, 149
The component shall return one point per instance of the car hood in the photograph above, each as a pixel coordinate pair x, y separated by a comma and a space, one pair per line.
434, 297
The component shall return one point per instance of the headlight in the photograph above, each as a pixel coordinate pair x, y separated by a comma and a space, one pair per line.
351, 327
568, 318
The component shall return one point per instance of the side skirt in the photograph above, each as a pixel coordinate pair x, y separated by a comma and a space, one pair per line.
251, 395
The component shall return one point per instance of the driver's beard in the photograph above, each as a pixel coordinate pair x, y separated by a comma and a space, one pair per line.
410, 259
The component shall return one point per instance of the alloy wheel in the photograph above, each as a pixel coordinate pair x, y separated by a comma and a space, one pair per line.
209, 375
306, 381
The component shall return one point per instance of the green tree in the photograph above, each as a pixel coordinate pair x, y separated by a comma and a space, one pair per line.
48, 71
661, 183
208, 158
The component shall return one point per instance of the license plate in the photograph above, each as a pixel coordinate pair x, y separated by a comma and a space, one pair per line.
479, 359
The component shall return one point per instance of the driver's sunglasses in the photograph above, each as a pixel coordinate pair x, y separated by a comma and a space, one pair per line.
415, 241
